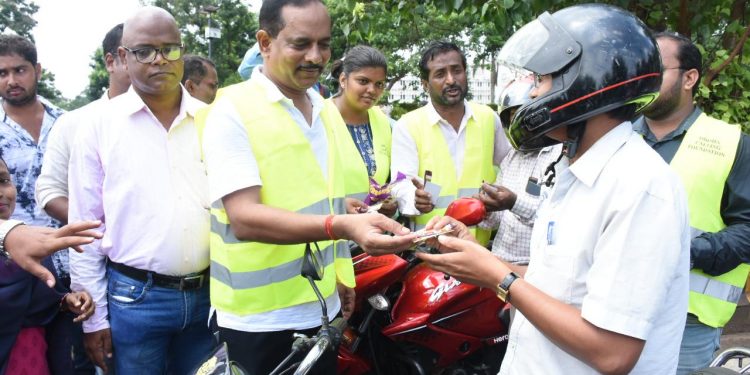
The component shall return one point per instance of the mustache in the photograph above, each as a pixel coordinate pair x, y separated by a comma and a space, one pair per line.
311, 67
453, 86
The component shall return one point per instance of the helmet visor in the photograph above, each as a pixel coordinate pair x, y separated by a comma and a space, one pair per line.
541, 46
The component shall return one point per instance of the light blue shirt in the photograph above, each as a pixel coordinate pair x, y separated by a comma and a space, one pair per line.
24, 159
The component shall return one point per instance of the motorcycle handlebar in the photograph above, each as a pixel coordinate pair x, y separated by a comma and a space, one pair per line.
324, 340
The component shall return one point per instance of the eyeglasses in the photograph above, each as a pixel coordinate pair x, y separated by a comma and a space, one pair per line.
147, 55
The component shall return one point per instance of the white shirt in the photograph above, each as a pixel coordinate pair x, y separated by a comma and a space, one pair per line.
612, 239
405, 157
148, 186
232, 166
53, 180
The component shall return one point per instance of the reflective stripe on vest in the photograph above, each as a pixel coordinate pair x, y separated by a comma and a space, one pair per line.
279, 273
432, 151
703, 162
714, 288
253, 277
318, 208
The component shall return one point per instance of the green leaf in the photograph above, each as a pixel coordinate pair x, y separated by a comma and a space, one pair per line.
346, 29
484, 8
457, 4
507, 4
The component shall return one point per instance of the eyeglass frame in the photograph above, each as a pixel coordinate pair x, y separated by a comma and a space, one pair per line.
157, 51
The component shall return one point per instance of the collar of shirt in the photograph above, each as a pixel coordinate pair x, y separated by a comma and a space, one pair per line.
588, 167
434, 117
275, 95
132, 103
640, 127
50, 108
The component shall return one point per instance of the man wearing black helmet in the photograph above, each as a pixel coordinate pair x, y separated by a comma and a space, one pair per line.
711, 157
606, 287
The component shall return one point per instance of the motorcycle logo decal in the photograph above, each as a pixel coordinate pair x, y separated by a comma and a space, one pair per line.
497, 340
442, 288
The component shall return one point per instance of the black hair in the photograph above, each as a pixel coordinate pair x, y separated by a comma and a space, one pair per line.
269, 17
356, 58
195, 68
112, 40
434, 49
688, 54
18, 45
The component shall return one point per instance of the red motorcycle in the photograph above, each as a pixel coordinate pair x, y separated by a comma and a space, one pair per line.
410, 319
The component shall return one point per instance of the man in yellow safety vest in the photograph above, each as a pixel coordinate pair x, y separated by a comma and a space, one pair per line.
711, 158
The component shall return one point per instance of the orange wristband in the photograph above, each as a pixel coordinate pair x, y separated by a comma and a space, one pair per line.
329, 228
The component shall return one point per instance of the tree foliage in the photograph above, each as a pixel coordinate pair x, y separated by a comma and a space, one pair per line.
98, 78
17, 16
720, 28
400, 37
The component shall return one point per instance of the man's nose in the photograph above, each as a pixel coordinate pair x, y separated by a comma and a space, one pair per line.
11, 79
159, 59
314, 55
450, 79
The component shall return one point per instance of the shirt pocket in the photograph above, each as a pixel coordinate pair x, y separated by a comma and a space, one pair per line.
558, 273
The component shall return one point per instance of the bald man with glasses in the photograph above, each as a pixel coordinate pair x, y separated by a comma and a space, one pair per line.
137, 168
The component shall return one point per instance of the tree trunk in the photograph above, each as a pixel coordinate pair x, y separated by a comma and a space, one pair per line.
736, 13
683, 22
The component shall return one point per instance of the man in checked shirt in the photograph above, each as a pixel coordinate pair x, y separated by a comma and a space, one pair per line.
512, 200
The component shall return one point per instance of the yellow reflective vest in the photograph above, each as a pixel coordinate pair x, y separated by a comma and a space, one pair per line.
703, 162
433, 154
355, 170
252, 277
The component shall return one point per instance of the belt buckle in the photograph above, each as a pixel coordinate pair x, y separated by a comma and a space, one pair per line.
188, 279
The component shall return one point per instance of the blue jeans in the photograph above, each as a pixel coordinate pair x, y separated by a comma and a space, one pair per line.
699, 342
157, 330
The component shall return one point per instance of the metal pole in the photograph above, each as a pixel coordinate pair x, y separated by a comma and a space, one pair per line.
209, 38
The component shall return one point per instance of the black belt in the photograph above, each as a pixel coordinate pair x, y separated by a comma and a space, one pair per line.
188, 282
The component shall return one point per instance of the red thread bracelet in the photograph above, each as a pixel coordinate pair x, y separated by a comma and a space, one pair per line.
329, 228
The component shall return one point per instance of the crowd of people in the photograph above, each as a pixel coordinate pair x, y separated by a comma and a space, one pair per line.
620, 218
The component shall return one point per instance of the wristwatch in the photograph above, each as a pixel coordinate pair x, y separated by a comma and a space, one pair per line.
503, 289
5, 228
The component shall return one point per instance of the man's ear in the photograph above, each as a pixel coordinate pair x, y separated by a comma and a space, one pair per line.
38, 71
189, 86
690, 79
123, 56
109, 62
264, 42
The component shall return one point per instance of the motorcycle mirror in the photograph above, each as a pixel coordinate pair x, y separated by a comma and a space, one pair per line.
379, 302
312, 263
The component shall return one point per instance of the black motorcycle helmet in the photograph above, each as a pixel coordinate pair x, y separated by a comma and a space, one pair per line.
600, 58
